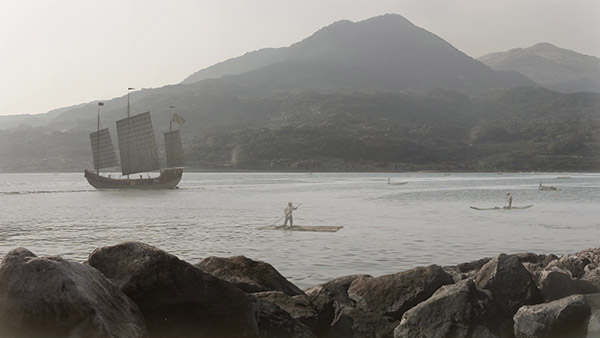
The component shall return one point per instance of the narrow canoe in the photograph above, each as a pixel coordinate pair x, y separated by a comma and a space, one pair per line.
499, 208
315, 228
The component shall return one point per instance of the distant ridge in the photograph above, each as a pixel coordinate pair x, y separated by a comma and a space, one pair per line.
555, 68
384, 53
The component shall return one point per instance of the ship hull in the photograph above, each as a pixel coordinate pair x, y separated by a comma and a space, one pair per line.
168, 179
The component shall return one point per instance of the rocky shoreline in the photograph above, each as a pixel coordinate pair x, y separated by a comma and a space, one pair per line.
136, 290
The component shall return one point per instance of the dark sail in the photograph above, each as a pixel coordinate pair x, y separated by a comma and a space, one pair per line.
173, 149
103, 151
137, 146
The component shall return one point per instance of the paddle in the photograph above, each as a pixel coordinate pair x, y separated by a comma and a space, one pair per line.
280, 218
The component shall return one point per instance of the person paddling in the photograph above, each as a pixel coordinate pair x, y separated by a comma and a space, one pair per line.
288, 214
508, 204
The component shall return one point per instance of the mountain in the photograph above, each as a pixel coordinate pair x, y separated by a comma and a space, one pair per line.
552, 67
380, 94
384, 53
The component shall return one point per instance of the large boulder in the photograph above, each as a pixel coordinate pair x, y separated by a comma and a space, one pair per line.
561, 318
466, 270
531, 258
593, 325
555, 284
457, 310
578, 263
299, 307
358, 323
248, 275
329, 299
392, 295
274, 322
176, 298
52, 297
512, 286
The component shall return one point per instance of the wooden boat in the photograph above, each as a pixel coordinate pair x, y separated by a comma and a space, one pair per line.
547, 187
168, 179
504, 208
137, 150
395, 183
315, 228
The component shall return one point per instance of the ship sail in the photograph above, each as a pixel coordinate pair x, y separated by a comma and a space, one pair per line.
103, 151
173, 149
137, 146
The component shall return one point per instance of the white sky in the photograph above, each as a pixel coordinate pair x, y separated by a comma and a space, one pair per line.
57, 53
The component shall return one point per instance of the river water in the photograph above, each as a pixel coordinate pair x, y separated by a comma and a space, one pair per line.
387, 228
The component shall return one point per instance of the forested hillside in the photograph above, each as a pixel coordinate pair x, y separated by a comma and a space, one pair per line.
521, 129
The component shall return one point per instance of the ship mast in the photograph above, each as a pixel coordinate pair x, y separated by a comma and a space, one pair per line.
128, 108
98, 136
171, 120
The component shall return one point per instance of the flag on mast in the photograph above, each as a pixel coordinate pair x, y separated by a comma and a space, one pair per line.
100, 103
178, 119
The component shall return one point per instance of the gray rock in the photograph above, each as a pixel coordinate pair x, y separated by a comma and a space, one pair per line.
577, 263
176, 298
358, 323
593, 324
299, 307
275, 322
532, 258
466, 270
248, 275
512, 286
392, 295
556, 284
561, 318
329, 299
457, 310
591, 275
52, 297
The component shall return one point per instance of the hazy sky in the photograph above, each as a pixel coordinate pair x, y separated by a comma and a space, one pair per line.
57, 53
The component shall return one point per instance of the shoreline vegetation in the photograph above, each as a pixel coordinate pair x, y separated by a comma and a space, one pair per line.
133, 289
280, 171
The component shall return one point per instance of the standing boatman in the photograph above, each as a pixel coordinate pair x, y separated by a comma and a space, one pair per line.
508, 204
288, 214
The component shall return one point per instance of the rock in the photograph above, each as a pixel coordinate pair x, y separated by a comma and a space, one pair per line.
512, 286
465, 270
457, 310
539, 260
248, 275
299, 307
53, 297
355, 323
578, 262
593, 325
176, 298
329, 299
561, 318
392, 295
276, 322
556, 284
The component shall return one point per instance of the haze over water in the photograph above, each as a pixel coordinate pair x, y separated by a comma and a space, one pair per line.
387, 228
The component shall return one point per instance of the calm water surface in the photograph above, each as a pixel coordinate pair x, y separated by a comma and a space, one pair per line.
387, 228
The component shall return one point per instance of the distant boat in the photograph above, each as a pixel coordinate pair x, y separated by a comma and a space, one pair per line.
504, 208
137, 150
395, 183
547, 187
314, 228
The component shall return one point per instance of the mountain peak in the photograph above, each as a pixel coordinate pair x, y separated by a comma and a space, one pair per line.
543, 46
556, 68
382, 53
